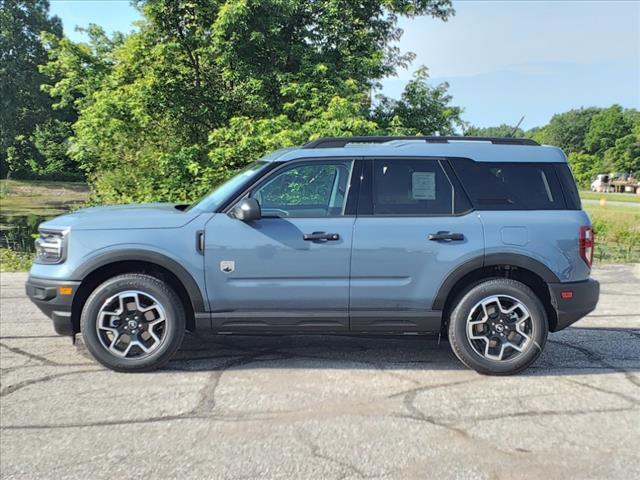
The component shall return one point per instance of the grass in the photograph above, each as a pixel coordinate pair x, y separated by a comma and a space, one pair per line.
617, 230
41, 198
618, 197
12, 261
24, 203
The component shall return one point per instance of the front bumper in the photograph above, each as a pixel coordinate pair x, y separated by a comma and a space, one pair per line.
572, 301
55, 302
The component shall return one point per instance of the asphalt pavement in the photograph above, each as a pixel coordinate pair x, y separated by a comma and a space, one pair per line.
324, 407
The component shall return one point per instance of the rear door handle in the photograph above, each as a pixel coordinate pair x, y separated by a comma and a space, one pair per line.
445, 236
321, 236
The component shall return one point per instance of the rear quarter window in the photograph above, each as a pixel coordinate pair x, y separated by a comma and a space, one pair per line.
511, 186
568, 183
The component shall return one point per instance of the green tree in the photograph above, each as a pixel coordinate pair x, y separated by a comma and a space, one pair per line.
74, 71
421, 110
157, 105
624, 156
585, 167
51, 139
567, 130
23, 105
502, 130
606, 127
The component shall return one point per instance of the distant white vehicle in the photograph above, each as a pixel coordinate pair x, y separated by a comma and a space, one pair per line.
602, 184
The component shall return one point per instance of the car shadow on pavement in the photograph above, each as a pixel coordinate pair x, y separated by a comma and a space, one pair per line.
587, 350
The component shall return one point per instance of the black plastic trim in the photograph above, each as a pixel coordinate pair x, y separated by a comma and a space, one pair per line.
523, 261
43, 292
570, 310
131, 254
253, 321
494, 259
395, 321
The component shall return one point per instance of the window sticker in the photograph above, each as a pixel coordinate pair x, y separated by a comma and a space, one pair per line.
423, 185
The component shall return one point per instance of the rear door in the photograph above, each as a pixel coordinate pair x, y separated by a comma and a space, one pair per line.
414, 227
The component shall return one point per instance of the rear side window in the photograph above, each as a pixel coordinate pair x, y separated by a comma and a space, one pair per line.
411, 187
511, 186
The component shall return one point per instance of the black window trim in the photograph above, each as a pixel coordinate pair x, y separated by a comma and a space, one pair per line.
367, 189
352, 195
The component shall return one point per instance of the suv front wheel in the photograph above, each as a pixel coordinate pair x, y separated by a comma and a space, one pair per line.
498, 327
133, 323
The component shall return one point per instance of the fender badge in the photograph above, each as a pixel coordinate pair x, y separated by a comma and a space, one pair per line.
227, 266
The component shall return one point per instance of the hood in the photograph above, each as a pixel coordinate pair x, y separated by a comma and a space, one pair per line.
134, 216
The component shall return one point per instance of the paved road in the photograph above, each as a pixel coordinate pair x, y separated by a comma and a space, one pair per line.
322, 407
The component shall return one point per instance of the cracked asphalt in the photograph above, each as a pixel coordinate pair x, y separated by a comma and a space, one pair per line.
324, 407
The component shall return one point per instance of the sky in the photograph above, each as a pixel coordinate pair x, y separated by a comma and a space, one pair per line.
502, 59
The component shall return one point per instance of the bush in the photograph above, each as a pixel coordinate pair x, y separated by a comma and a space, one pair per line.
616, 241
12, 261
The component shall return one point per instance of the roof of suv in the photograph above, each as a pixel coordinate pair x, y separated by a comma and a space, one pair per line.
481, 149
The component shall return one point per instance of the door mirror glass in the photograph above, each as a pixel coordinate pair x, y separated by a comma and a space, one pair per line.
247, 210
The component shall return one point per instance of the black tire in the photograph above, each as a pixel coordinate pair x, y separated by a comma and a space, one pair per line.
459, 336
173, 326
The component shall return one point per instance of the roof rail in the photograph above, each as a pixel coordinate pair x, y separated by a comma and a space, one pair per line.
338, 142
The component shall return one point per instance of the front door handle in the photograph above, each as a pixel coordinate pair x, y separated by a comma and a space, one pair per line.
321, 236
446, 236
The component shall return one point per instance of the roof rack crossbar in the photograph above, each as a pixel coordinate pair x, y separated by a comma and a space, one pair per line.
338, 142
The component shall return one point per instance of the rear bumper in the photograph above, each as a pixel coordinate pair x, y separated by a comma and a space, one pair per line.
47, 296
584, 298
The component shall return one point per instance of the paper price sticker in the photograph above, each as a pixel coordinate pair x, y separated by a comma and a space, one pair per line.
423, 185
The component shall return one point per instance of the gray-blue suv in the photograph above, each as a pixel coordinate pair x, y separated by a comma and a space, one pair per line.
482, 240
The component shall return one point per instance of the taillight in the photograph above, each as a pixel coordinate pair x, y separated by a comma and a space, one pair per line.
587, 244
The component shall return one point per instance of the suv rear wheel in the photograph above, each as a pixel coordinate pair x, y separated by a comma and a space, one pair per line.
133, 323
498, 327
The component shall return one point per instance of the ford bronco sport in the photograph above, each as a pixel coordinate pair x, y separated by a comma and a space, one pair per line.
482, 240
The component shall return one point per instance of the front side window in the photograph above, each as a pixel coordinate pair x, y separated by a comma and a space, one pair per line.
309, 189
411, 187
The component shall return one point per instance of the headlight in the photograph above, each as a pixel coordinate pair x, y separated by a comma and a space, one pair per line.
51, 246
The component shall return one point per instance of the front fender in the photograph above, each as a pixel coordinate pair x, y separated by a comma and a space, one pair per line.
123, 253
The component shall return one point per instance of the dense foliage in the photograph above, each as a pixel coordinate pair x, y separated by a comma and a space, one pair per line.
32, 133
597, 140
204, 87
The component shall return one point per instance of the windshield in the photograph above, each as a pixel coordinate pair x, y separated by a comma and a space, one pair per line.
212, 200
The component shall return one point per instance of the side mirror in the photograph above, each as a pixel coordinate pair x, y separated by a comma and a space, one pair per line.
247, 210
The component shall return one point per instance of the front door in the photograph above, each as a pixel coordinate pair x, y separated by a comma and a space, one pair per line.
414, 227
288, 271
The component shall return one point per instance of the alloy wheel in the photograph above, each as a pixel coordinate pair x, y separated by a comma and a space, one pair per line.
500, 327
131, 324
